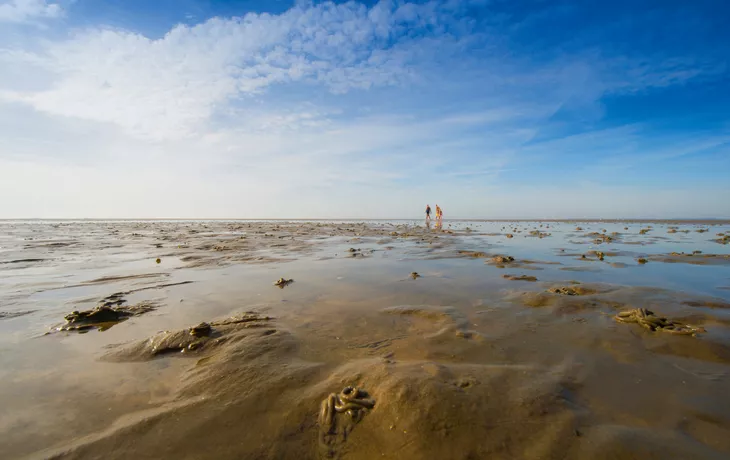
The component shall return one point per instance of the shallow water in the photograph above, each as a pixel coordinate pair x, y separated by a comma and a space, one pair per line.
615, 384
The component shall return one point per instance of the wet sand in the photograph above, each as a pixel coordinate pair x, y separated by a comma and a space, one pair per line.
384, 340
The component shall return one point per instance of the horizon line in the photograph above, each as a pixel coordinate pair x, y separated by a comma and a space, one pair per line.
300, 219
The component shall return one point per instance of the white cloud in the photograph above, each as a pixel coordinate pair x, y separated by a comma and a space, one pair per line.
174, 86
349, 109
169, 87
27, 10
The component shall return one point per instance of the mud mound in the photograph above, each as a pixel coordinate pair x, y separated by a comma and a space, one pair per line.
110, 312
566, 299
433, 410
194, 339
502, 260
653, 322
251, 394
413, 410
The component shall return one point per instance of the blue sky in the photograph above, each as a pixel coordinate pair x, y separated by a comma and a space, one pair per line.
490, 108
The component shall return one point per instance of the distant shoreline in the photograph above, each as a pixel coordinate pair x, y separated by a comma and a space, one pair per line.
702, 221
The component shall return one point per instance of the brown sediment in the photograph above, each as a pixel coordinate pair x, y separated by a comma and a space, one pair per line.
474, 254
570, 298
580, 269
723, 239
564, 253
196, 339
702, 350
538, 262
109, 312
572, 290
519, 278
653, 322
536, 299
691, 258
449, 321
480, 379
428, 312
602, 298
502, 259
412, 410
707, 304
265, 243
600, 238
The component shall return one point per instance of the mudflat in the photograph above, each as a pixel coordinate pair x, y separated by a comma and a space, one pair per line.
361, 340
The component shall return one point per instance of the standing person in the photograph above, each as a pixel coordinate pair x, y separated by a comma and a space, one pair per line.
438, 213
428, 213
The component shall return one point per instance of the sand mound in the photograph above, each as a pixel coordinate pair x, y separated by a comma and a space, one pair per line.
249, 394
195, 339
251, 406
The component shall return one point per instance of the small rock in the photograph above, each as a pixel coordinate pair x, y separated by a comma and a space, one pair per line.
503, 259
282, 282
201, 330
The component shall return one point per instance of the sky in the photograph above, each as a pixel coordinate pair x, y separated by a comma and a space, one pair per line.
364, 109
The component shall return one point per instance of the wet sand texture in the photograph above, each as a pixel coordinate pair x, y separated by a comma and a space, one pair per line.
468, 357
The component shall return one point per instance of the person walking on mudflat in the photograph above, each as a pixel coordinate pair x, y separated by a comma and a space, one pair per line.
428, 213
439, 214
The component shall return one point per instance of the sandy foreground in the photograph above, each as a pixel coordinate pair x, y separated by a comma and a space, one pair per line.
314, 340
